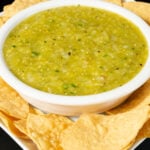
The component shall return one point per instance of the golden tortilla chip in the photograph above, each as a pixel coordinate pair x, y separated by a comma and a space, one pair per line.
9, 123
129, 146
95, 132
34, 110
139, 98
1, 21
11, 103
21, 125
142, 9
144, 132
18, 5
45, 130
117, 2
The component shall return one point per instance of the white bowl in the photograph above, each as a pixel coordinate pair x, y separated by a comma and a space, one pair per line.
74, 105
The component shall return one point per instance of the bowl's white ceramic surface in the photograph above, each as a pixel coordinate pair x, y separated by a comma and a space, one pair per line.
73, 105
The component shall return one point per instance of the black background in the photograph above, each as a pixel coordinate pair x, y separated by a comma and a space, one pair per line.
6, 143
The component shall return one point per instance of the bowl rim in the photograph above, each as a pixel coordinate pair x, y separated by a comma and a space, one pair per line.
110, 95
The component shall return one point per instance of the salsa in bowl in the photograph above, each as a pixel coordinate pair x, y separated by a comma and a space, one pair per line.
75, 56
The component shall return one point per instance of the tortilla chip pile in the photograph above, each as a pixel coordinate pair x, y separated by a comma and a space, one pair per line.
117, 129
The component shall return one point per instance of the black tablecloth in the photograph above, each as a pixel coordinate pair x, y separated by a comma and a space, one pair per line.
6, 143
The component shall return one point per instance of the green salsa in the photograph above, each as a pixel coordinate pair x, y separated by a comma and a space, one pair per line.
75, 50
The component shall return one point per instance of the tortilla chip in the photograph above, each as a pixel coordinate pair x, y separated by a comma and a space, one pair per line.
117, 2
11, 103
18, 5
21, 125
9, 123
139, 98
1, 21
142, 9
129, 146
35, 111
144, 132
114, 132
45, 130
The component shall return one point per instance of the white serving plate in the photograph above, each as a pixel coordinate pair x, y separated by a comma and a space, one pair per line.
28, 145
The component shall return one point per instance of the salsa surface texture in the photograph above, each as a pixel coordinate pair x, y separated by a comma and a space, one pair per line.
75, 50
